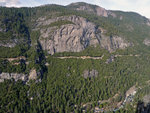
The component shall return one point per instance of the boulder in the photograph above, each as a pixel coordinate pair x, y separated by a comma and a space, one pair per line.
33, 75
89, 74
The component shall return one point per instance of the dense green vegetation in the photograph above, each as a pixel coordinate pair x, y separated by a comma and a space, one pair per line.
89, 51
63, 88
18, 50
13, 31
6, 66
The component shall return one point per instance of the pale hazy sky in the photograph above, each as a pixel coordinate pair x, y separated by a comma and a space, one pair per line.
140, 6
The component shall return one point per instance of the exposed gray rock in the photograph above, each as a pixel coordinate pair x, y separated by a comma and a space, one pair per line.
129, 28
89, 8
121, 17
148, 22
131, 91
47, 64
76, 37
89, 74
68, 74
16, 76
13, 42
113, 43
85, 8
8, 44
99, 11
33, 75
1, 80
147, 42
146, 99
111, 14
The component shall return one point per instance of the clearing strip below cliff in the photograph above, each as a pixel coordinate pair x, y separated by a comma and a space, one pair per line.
81, 57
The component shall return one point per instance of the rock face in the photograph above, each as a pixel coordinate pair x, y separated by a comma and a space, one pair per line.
113, 43
146, 42
33, 75
89, 74
148, 22
131, 91
15, 76
99, 11
19, 76
75, 37
13, 42
71, 37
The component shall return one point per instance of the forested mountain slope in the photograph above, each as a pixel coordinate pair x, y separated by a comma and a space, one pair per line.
75, 58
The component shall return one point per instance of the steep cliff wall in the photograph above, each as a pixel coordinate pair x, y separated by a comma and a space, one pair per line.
74, 36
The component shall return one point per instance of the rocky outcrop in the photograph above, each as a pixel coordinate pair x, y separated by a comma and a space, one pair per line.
148, 22
71, 38
131, 91
98, 10
147, 42
113, 43
13, 42
146, 99
89, 74
10, 43
15, 76
33, 75
101, 12
75, 37
93, 9
1, 30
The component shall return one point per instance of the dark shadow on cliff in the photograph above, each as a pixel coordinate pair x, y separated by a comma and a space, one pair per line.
142, 108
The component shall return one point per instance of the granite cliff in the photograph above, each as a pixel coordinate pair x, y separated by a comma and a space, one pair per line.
75, 36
